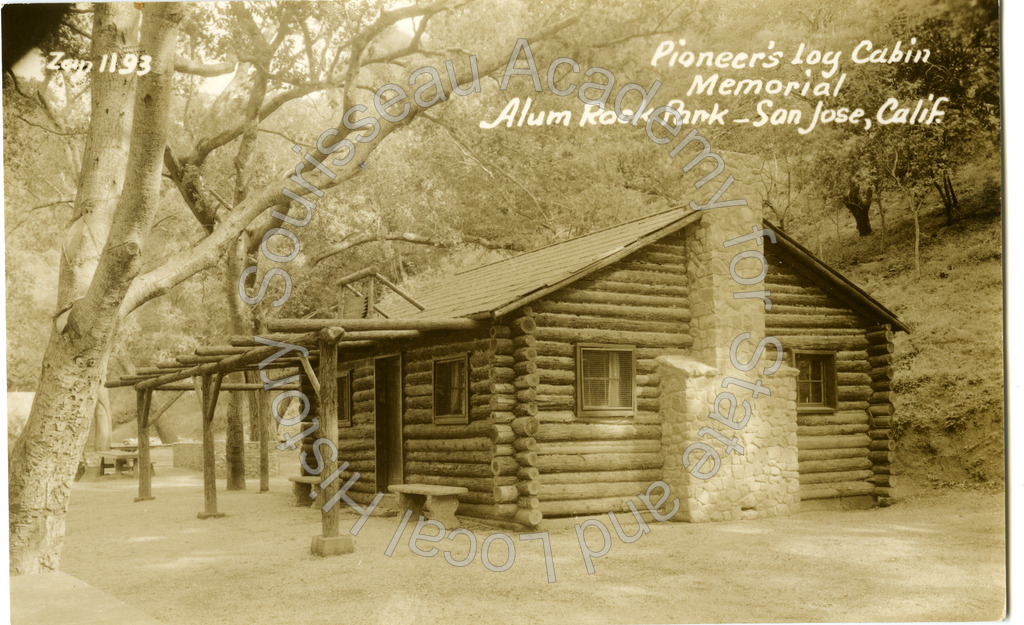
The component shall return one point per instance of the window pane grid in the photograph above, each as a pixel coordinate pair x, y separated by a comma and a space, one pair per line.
450, 388
606, 379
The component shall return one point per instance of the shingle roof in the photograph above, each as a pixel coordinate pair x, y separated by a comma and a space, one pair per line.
512, 282
504, 285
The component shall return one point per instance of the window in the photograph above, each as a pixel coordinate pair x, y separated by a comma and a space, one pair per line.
816, 382
606, 385
344, 400
451, 390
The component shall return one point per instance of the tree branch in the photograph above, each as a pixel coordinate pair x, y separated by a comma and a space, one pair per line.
183, 65
409, 237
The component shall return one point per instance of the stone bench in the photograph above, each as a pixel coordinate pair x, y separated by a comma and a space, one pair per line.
302, 486
120, 459
441, 501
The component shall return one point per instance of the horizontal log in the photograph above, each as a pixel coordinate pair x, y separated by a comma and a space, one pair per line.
503, 511
810, 321
505, 494
597, 490
527, 474
524, 367
623, 291
829, 466
526, 458
503, 465
833, 418
550, 321
664, 269
451, 469
478, 484
882, 444
885, 360
587, 507
526, 426
834, 442
676, 257
883, 480
598, 462
446, 445
600, 447
356, 325
879, 434
880, 410
835, 477
593, 477
589, 335
835, 489
419, 415
523, 325
832, 454
881, 423
526, 340
500, 331
524, 353
852, 366
472, 430
831, 430
800, 299
530, 517
880, 336
674, 314
881, 373
880, 458
880, 397
879, 349
550, 432
529, 488
853, 379
528, 502
849, 406
853, 393
826, 343
501, 374
482, 457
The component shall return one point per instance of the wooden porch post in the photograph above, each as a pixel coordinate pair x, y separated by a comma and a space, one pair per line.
330, 542
208, 391
264, 424
144, 400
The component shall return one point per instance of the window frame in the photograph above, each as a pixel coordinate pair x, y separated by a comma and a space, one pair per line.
830, 386
584, 411
344, 399
453, 418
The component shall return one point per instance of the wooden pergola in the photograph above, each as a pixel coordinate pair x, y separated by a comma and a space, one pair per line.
204, 371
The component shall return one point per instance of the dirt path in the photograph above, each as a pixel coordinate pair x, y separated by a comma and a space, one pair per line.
936, 556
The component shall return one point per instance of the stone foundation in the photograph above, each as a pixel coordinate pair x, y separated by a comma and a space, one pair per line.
190, 456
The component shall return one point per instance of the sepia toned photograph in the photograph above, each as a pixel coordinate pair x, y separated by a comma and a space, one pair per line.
505, 311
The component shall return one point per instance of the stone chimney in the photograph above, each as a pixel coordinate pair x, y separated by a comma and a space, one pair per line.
720, 463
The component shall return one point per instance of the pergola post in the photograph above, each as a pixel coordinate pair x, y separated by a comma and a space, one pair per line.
208, 389
144, 399
330, 542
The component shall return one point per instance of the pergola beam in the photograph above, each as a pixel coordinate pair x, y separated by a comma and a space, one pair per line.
360, 325
236, 362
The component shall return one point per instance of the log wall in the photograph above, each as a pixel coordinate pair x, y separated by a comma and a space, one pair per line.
595, 465
835, 447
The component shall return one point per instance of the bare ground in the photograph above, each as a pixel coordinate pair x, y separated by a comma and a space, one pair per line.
935, 556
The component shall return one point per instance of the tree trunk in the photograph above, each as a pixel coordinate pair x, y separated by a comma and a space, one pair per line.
46, 456
859, 204
102, 425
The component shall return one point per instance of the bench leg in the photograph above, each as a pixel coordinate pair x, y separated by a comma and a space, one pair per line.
442, 508
411, 502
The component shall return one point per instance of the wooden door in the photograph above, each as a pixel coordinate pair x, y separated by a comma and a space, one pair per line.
387, 384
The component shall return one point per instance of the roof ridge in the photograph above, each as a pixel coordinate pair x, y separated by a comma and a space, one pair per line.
580, 236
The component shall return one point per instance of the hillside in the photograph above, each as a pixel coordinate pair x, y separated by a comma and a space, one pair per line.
949, 369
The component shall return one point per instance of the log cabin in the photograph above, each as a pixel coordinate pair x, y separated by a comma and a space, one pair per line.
566, 380
591, 372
